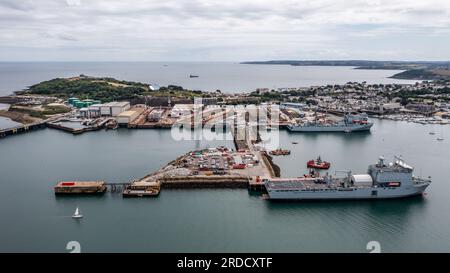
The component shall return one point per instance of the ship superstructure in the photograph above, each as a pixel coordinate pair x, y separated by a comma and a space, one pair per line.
350, 123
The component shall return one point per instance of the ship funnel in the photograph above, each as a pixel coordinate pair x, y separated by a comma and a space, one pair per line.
381, 161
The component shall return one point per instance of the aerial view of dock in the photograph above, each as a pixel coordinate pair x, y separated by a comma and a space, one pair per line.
228, 136
249, 165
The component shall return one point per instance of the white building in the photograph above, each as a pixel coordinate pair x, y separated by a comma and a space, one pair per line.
114, 108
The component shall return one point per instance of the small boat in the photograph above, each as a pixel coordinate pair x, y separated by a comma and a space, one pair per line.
77, 214
294, 142
432, 133
440, 138
318, 164
193, 76
112, 125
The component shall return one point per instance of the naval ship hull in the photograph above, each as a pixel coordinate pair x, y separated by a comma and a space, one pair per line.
331, 128
349, 193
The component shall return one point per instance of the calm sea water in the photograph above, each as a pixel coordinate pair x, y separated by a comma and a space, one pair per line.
6, 122
228, 77
33, 219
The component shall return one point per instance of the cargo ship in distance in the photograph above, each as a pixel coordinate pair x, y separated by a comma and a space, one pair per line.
350, 123
382, 181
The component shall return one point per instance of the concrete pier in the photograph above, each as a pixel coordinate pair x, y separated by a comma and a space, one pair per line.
80, 187
75, 131
225, 181
21, 129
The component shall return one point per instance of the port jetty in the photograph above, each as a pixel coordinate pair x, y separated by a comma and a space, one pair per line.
244, 167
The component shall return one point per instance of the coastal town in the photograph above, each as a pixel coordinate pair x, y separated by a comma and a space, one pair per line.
427, 102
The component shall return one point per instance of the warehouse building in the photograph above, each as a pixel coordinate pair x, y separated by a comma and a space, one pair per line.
126, 117
114, 108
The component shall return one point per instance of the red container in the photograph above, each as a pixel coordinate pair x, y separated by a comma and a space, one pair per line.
239, 166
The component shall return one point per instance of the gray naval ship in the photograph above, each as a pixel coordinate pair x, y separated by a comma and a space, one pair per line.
350, 123
382, 181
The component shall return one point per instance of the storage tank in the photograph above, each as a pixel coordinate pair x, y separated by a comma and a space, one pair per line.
80, 104
74, 102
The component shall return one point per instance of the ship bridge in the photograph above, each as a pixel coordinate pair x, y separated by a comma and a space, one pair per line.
398, 172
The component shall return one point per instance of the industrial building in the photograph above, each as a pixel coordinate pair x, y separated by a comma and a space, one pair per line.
92, 111
114, 108
126, 117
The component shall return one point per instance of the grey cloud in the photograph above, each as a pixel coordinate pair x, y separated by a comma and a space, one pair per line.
16, 5
245, 29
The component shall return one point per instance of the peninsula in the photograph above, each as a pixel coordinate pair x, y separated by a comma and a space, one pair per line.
104, 89
413, 70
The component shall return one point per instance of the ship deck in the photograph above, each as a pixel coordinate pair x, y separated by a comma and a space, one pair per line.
302, 184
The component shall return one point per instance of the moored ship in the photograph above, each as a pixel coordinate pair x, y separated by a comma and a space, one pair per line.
382, 181
350, 123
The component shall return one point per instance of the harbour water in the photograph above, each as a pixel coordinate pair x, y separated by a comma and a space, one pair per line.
6, 122
33, 219
227, 77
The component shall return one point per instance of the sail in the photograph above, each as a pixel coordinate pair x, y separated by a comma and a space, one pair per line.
77, 212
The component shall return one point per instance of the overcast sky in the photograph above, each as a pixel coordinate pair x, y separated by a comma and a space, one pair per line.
210, 30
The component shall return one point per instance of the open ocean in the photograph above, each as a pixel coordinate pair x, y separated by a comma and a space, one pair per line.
227, 77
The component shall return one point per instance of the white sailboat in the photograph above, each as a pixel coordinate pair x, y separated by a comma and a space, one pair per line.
77, 214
